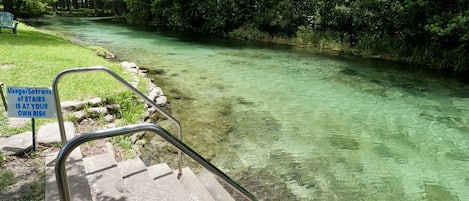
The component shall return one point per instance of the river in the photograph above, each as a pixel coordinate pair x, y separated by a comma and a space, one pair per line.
297, 124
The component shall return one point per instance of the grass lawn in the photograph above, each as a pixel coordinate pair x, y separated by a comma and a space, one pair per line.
32, 58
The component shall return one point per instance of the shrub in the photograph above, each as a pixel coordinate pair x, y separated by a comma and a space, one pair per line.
248, 32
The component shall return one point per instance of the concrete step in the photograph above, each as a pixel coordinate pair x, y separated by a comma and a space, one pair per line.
130, 180
139, 182
217, 191
167, 183
192, 184
79, 188
104, 178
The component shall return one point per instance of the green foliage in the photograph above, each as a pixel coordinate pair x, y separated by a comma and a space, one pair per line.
408, 29
132, 107
34, 8
322, 39
2, 159
168, 13
408, 25
124, 141
139, 11
248, 32
27, 8
306, 36
117, 7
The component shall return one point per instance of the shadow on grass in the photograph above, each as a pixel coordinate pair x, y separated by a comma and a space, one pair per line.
29, 191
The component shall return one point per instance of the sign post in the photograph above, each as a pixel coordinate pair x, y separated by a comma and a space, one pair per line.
33, 133
31, 102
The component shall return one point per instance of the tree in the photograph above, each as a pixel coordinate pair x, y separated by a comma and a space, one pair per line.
27, 8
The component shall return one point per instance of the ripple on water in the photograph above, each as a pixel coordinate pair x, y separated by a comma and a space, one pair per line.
457, 155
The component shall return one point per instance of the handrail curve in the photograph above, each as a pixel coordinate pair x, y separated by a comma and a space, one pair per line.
58, 107
61, 174
3, 96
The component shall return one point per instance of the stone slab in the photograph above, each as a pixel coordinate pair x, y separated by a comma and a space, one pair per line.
72, 105
104, 178
15, 122
79, 188
16, 144
167, 183
193, 185
214, 187
139, 181
49, 133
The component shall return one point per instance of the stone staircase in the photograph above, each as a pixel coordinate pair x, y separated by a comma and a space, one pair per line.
101, 178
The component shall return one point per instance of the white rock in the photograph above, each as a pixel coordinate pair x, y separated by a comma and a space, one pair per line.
95, 112
158, 91
95, 102
153, 94
125, 64
109, 118
133, 65
161, 100
72, 105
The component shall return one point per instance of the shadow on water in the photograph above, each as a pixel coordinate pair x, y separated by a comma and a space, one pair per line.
419, 81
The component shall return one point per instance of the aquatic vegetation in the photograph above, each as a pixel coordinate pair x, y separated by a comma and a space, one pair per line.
434, 192
344, 142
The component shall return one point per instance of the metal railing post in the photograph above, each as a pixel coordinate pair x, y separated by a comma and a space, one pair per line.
55, 91
61, 172
3, 96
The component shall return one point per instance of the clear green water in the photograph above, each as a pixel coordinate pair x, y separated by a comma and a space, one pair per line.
298, 125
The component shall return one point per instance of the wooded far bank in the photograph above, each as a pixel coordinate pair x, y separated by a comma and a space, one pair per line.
430, 32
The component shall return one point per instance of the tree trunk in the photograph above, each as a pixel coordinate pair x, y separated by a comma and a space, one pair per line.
75, 4
69, 5
8, 5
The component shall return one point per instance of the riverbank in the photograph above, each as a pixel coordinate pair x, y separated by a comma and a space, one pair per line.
389, 49
33, 58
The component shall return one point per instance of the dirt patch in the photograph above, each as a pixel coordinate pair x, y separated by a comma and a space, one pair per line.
6, 66
94, 147
29, 176
99, 146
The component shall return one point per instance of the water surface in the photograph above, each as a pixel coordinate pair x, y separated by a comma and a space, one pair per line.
294, 124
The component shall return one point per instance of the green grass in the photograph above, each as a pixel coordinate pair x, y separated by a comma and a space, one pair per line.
5, 130
128, 107
35, 189
7, 178
33, 58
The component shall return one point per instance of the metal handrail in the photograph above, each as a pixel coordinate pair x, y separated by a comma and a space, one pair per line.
55, 90
61, 173
3, 96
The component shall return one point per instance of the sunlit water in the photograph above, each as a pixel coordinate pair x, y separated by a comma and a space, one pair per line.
318, 126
